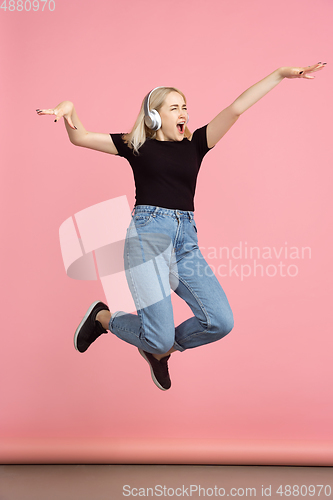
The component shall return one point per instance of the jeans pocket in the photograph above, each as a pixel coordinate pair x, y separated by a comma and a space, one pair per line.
142, 219
194, 225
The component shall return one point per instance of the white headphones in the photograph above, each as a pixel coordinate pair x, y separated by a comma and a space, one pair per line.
152, 117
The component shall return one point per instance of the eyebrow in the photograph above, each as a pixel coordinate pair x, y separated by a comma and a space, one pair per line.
176, 105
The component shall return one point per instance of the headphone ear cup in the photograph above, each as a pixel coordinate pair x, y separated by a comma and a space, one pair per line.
156, 121
153, 120
148, 121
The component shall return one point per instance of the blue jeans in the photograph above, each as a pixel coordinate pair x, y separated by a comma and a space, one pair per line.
162, 254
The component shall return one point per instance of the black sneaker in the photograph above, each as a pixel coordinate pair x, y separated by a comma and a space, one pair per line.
89, 329
159, 370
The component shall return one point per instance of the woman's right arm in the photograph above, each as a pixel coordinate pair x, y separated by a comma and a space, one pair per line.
77, 134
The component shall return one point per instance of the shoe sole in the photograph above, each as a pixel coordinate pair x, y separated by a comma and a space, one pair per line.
151, 371
77, 331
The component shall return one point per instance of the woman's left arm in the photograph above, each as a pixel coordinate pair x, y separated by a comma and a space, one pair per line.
224, 120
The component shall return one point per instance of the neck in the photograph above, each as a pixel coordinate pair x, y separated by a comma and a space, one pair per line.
160, 136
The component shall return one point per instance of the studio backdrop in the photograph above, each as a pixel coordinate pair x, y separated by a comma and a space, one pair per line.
263, 208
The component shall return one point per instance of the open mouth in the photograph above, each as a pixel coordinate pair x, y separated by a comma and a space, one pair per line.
181, 127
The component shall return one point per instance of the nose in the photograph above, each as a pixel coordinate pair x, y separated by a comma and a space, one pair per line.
183, 114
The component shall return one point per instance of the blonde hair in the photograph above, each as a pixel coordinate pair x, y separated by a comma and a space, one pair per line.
140, 132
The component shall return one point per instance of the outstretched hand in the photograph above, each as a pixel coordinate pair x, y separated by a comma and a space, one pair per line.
64, 109
291, 72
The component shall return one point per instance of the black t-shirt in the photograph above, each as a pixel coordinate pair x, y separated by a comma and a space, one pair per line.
165, 172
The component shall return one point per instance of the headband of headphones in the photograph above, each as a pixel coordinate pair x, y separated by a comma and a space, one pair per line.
152, 117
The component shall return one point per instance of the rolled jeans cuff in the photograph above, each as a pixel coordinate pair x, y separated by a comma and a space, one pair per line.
178, 347
113, 316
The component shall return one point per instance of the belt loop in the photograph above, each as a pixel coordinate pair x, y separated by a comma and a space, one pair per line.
133, 211
155, 211
190, 215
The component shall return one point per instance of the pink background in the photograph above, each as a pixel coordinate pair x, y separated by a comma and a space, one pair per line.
267, 183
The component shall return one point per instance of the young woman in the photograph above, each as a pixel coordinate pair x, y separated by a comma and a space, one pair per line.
161, 248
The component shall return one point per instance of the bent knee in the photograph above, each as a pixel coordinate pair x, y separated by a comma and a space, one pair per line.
223, 324
159, 345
